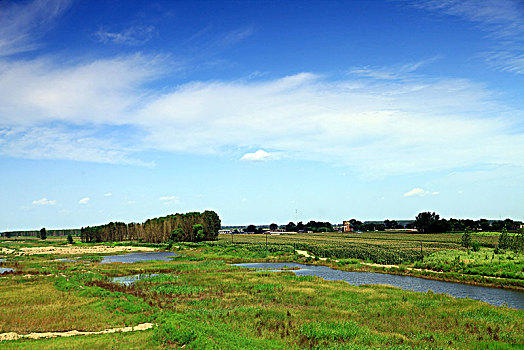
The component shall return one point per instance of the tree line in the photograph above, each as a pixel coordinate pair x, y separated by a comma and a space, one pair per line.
188, 227
431, 222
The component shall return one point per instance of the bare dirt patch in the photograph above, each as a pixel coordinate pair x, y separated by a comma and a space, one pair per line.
72, 250
16, 336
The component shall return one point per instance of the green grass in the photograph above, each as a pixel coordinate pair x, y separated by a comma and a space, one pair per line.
199, 301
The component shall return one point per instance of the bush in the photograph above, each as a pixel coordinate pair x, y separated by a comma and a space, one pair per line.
175, 332
70, 239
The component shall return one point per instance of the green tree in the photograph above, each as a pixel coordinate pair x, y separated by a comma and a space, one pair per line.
425, 221
198, 233
43, 233
504, 239
466, 238
70, 239
177, 235
251, 229
273, 227
291, 227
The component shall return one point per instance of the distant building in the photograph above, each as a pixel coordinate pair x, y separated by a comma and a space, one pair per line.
225, 232
347, 226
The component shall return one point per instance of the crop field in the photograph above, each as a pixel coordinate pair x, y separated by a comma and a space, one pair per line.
198, 300
378, 247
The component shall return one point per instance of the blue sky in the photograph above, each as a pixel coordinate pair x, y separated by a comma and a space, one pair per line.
122, 111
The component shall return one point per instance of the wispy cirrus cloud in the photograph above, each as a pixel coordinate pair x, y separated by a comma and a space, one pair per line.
84, 200
134, 35
503, 20
23, 22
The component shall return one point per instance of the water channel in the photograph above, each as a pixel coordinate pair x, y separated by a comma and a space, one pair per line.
136, 257
494, 296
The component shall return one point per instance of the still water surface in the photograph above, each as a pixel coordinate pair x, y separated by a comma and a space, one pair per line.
494, 296
136, 257
129, 280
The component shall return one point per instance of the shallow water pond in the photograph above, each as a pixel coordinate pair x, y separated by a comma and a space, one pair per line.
136, 257
5, 269
494, 296
129, 280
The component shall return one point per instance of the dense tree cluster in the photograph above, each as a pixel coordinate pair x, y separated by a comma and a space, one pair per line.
357, 225
314, 226
190, 227
430, 222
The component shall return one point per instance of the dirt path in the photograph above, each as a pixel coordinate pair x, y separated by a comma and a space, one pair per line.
307, 255
16, 336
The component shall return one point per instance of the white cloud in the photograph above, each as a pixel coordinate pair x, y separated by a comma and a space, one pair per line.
419, 192
44, 201
108, 194
135, 35
257, 156
100, 111
84, 200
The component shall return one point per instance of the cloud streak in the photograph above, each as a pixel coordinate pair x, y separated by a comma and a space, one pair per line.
132, 36
502, 19
23, 22
44, 201
419, 192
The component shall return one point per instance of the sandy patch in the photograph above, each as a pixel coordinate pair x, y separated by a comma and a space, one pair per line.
379, 265
16, 336
73, 250
307, 255
6, 251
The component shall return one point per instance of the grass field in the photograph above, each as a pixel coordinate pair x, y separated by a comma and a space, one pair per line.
199, 301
